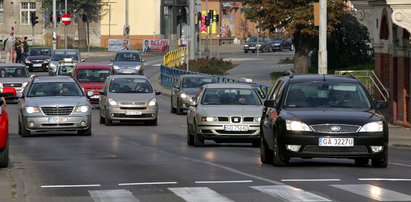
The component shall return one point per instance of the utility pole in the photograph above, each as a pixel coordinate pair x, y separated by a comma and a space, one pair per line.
206, 47
219, 16
65, 27
127, 17
258, 39
211, 33
192, 32
322, 53
54, 26
109, 21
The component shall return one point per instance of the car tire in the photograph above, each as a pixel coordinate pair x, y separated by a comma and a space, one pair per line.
86, 132
152, 122
179, 110
278, 158
4, 157
172, 109
381, 162
190, 138
23, 132
108, 122
361, 161
245, 51
102, 120
266, 154
253, 51
198, 141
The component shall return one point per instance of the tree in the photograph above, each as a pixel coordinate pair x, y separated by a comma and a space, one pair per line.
296, 17
79, 7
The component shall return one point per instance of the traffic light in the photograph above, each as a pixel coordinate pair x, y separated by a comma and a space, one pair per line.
33, 18
210, 17
207, 21
58, 18
217, 18
199, 16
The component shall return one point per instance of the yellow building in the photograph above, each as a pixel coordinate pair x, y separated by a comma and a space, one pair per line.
143, 19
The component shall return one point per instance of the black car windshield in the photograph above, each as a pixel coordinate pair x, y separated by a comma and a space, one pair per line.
323, 94
254, 39
130, 85
60, 55
55, 89
14, 72
93, 75
128, 56
196, 82
230, 96
40, 52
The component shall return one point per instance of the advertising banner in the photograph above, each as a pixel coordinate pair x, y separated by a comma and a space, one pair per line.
161, 45
118, 44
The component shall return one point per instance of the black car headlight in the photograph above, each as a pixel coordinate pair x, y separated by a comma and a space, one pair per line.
376, 126
297, 126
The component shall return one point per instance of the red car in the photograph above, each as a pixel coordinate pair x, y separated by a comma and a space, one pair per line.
4, 125
91, 77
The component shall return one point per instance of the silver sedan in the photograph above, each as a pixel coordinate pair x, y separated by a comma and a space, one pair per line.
225, 113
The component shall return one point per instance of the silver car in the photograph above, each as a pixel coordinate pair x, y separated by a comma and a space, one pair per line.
14, 75
54, 104
128, 62
225, 113
185, 89
68, 57
128, 98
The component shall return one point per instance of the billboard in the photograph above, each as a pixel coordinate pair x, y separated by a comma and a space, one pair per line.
118, 44
160, 45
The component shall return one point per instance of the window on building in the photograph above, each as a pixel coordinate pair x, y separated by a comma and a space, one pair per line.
26, 10
1, 12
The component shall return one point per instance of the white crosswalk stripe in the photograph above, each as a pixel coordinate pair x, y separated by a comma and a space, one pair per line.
374, 192
199, 194
117, 195
289, 193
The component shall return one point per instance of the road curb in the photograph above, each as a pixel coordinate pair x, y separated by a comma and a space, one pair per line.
155, 80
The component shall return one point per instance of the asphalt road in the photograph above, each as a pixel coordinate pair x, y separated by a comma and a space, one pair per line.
132, 162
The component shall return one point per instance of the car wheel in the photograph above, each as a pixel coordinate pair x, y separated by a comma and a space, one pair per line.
361, 161
266, 154
190, 138
381, 162
253, 51
198, 141
278, 159
179, 110
172, 109
23, 131
4, 157
152, 122
108, 122
102, 120
245, 51
86, 132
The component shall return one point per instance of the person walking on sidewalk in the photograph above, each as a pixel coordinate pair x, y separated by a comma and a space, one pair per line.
19, 50
26, 48
8, 47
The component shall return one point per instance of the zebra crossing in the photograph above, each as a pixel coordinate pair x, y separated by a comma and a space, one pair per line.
285, 193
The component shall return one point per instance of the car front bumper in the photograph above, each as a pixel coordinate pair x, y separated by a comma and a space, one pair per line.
216, 131
123, 113
42, 123
128, 71
42, 66
309, 142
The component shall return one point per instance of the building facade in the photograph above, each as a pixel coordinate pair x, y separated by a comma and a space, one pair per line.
389, 25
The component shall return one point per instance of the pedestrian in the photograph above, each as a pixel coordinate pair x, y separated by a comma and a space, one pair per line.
8, 47
26, 48
19, 50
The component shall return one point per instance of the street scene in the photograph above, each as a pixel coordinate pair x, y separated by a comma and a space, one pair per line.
229, 109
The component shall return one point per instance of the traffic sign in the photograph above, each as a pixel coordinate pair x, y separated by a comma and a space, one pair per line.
66, 19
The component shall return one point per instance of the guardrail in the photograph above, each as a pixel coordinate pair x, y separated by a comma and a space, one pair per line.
169, 77
176, 57
370, 80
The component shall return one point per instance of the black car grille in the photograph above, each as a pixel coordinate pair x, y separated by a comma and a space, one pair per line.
12, 84
132, 103
222, 118
51, 111
236, 132
335, 128
248, 119
314, 149
133, 116
138, 108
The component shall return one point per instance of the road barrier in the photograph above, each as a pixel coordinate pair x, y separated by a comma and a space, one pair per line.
176, 57
169, 77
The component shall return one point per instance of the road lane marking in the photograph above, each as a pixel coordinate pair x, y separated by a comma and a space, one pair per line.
223, 182
383, 179
145, 183
400, 164
199, 194
374, 192
310, 180
157, 65
70, 186
112, 195
289, 193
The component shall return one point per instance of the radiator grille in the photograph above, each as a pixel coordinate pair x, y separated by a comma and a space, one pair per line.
335, 150
335, 128
57, 110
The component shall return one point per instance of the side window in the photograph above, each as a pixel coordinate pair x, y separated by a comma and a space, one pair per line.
275, 89
197, 96
277, 96
105, 87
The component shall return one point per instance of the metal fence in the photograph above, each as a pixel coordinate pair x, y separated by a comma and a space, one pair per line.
176, 57
169, 77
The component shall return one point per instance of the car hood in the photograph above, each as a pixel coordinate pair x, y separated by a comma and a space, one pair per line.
231, 110
14, 80
340, 116
38, 57
126, 63
92, 85
57, 101
252, 43
132, 97
190, 91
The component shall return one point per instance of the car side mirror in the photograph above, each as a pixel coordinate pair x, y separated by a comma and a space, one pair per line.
143, 60
270, 103
193, 103
158, 93
90, 94
176, 87
83, 60
32, 76
381, 104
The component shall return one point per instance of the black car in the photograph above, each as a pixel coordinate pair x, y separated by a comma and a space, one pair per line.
38, 58
326, 116
280, 43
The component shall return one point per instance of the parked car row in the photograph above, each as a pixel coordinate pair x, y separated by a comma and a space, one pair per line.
265, 44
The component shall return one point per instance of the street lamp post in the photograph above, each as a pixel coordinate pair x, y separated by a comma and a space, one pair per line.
54, 26
322, 52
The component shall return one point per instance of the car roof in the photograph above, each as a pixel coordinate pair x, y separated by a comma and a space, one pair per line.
11, 65
196, 76
228, 85
45, 79
92, 65
118, 76
321, 77
128, 51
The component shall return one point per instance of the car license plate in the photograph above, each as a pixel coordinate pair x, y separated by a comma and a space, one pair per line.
133, 113
58, 120
36, 65
95, 97
336, 142
252, 47
235, 128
